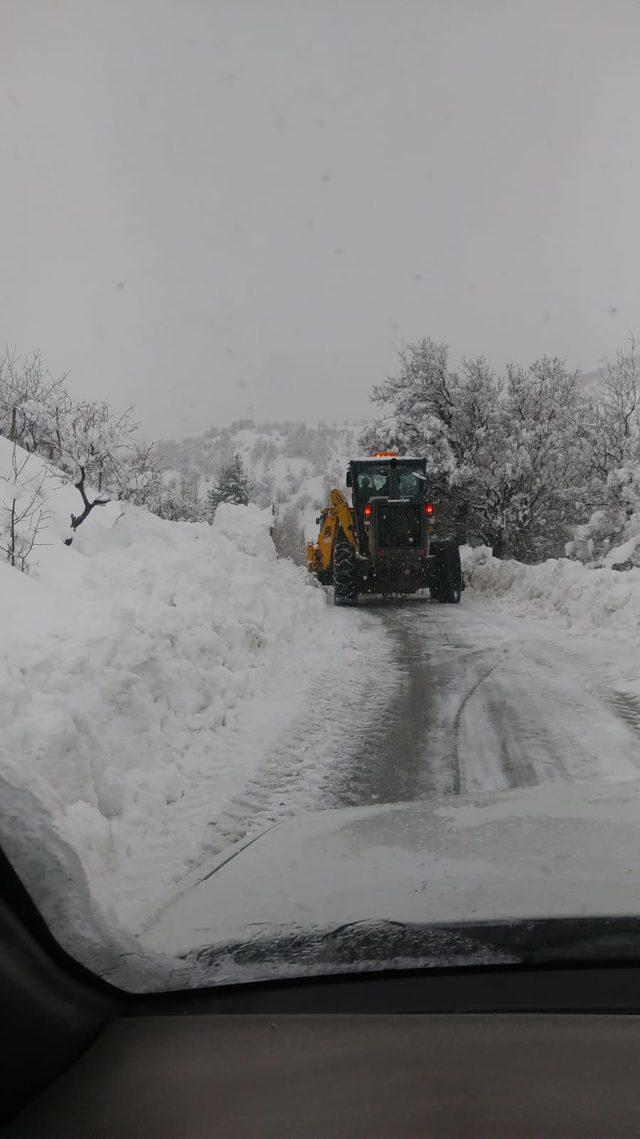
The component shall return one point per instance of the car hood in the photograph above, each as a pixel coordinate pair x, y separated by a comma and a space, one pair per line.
411, 883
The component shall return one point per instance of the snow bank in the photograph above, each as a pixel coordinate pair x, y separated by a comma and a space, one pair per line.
587, 600
128, 664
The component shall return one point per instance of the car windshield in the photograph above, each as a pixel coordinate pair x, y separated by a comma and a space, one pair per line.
320, 483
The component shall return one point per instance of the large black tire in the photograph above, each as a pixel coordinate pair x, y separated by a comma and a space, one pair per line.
345, 574
446, 584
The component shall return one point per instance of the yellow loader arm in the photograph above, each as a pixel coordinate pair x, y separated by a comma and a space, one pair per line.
338, 516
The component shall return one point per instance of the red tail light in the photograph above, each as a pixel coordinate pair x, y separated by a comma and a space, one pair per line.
429, 509
368, 510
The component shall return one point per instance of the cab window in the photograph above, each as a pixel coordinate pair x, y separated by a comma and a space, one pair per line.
373, 481
409, 485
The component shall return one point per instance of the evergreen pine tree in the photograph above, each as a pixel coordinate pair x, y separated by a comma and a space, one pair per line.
232, 485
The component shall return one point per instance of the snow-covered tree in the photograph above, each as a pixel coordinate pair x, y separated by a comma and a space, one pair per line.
29, 396
139, 473
502, 452
83, 440
537, 484
22, 511
90, 447
446, 416
611, 446
611, 425
614, 524
179, 500
232, 485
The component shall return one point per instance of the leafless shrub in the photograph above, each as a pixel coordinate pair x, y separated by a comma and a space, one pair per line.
22, 513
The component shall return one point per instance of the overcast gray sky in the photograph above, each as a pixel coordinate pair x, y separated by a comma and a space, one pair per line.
214, 208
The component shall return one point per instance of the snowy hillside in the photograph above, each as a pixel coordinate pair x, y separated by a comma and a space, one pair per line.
139, 669
290, 465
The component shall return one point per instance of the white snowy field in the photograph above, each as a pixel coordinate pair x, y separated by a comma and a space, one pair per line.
146, 671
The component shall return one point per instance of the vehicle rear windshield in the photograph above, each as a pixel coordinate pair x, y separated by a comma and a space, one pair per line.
373, 481
409, 483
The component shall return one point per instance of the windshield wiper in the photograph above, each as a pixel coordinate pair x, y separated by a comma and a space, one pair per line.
377, 945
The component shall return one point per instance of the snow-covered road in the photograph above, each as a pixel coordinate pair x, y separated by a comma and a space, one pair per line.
477, 699
445, 700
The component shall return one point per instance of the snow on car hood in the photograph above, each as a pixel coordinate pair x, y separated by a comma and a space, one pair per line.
548, 852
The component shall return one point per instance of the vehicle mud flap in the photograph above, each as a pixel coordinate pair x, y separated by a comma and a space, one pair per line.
345, 573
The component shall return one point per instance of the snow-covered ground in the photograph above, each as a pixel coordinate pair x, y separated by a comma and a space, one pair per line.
171, 688
146, 672
467, 700
579, 598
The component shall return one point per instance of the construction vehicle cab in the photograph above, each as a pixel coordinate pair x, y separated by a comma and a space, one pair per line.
386, 541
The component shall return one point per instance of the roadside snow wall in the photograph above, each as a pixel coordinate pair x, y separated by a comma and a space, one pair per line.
127, 663
587, 600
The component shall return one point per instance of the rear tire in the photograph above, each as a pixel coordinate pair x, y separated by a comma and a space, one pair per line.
345, 579
446, 586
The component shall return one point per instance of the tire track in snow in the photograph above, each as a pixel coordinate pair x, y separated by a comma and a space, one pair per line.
300, 759
430, 701
627, 708
488, 701
457, 771
388, 763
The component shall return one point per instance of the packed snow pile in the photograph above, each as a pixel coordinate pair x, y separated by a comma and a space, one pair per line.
582, 598
131, 665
